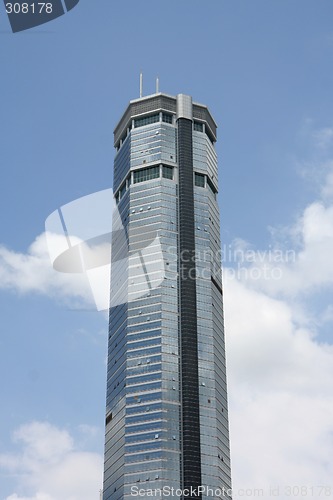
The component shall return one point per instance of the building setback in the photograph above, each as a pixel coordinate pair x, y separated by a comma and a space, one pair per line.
167, 413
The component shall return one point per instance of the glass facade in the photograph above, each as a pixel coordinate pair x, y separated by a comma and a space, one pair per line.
146, 120
165, 176
167, 172
145, 174
199, 179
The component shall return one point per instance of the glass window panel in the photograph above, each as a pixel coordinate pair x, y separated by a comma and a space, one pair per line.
146, 120
166, 117
199, 180
198, 126
167, 172
145, 174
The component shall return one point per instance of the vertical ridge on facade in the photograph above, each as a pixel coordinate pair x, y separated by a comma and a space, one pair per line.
191, 461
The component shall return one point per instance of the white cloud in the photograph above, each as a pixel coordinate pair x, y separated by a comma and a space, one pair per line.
280, 368
327, 189
49, 466
43, 442
38, 496
280, 393
80, 274
280, 372
323, 138
298, 262
33, 272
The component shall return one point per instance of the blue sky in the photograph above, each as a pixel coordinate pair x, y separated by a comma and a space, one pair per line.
265, 70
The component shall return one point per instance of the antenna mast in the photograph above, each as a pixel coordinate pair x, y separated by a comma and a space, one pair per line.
141, 83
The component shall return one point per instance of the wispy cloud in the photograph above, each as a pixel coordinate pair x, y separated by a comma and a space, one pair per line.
281, 393
298, 261
49, 466
280, 367
323, 138
32, 272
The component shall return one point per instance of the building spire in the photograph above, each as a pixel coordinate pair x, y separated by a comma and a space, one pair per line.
157, 85
141, 83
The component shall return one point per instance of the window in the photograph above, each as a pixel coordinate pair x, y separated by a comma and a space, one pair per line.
211, 186
146, 174
209, 135
198, 126
166, 117
122, 190
167, 172
146, 120
199, 180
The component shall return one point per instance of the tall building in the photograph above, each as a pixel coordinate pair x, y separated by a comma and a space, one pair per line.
167, 415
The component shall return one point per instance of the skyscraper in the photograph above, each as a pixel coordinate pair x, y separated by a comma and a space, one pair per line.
167, 415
